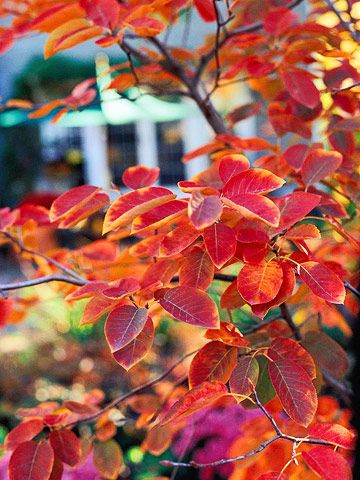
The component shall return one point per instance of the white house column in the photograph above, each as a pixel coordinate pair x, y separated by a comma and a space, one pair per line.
146, 144
94, 145
196, 133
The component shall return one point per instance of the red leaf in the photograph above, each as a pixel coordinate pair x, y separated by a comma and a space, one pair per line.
301, 88
71, 201
102, 12
129, 206
162, 271
66, 445
220, 243
140, 176
251, 231
319, 164
121, 288
147, 26
255, 206
136, 350
244, 378
197, 270
178, 239
322, 281
206, 10
57, 470
294, 207
260, 283
124, 324
252, 181
96, 308
285, 348
295, 390
214, 362
22, 433
31, 461
190, 305
334, 433
232, 165
204, 211
295, 155
196, 399
244, 111
327, 463
278, 20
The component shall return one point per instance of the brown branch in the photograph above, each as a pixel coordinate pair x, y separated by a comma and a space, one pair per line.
289, 320
38, 281
114, 403
50, 260
343, 89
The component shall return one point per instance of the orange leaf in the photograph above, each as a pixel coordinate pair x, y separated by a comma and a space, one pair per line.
327, 353
302, 232
178, 239
140, 176
334, 433
159, 216
129, 206
46, 109
70, 34
227, 333
260, 283
214, 362
254, 206
108, 459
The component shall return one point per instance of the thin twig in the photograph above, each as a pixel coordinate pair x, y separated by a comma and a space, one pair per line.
50, 260
40, 280
114, 403
348, 26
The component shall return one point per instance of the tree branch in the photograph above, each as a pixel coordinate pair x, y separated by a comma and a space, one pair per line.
348, 25
50, 260
114, 403
38, 281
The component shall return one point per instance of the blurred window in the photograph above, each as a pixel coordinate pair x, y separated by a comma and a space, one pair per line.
170, 152
122, 149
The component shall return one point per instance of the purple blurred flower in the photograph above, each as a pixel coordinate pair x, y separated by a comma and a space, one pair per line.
216, 429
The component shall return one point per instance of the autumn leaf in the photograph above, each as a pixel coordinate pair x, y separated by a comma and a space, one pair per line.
232, 165
23, 432
245, 376
295, 390
108, 459
301, 88
66, 445
285, 348
260, 283
204, 211
196, 399
190, 305
197, 270
334, 433
214, 362
31, 461
220, 243
322, 281
140, 176
327, 463
123, 324
319, 164
127, 207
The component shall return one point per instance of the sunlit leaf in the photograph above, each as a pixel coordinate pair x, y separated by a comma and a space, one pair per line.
220, 243
260, 283
319, 164
204, 211
124, 324
197, 270
108, 459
